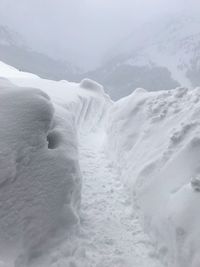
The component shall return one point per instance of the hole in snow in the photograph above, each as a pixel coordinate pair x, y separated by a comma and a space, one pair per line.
53, 139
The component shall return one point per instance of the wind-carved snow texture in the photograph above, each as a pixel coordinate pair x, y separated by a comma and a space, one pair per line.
150, 144
39, 180
40, 174
154, 139
110, 232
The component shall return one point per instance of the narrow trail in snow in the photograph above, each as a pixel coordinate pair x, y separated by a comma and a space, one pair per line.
112, 234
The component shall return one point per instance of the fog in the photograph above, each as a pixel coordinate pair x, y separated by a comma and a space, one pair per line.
82, 31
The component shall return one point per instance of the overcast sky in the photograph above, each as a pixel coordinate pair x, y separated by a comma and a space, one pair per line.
83, 30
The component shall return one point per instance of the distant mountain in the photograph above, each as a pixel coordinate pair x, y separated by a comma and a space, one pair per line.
14, 51
159, 55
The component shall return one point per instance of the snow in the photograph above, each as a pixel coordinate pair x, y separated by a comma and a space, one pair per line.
110, 233
88, 182
40, 188
91, 85
171, 44
153, 138
115, 235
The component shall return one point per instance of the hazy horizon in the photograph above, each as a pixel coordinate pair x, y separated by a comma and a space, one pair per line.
82, 32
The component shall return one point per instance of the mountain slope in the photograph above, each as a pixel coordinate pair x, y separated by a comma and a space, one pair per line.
160, 55
14, 51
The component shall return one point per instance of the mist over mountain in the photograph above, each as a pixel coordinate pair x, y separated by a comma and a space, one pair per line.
159, 55
15, 51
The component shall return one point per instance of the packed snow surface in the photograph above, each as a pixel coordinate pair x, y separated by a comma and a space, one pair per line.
86, 182
154, 140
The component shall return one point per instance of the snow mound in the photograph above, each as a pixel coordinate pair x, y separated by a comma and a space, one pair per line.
40, 179
91, 85
37, 181
140, 90
154, 139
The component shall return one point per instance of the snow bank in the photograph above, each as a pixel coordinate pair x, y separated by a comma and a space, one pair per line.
40, 179
91, 85
39, 182
86, 102
154, 139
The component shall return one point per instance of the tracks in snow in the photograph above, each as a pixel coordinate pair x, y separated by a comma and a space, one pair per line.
111, 233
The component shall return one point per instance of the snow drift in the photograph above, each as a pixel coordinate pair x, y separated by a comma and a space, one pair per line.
154, 139
40, 179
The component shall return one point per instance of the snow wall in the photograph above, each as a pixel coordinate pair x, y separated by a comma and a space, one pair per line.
154, 137
40, 178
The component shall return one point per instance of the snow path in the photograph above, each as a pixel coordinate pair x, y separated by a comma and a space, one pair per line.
111, 233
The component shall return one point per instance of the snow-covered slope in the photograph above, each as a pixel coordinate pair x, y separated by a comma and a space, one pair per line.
159, 55
16, 52
153, 141
153, 137
40, 179
174, 45
8, 37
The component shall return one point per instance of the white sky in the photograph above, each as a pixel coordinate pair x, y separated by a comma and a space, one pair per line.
83, 30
